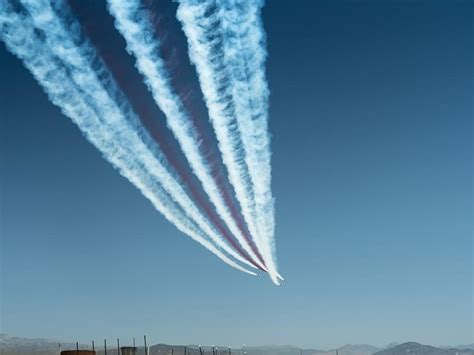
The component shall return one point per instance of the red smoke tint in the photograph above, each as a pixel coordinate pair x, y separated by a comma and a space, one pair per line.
121, 66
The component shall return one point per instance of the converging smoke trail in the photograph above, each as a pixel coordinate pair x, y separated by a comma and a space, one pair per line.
83, 61
223, 122
132, 21
201, 24
245, 54
22, 39
116, 129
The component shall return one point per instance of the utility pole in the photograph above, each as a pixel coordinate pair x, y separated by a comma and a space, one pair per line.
146, 349
118, 346
105, 346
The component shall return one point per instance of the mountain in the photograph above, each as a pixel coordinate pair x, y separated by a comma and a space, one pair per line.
19, 345
357, 349
468, 346
413, 348
349, 349
23, 346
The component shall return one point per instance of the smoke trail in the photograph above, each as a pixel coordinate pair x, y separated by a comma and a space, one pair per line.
132, 21
98, 118
245, 54
22, 40
201, 24
220, 111
82, 60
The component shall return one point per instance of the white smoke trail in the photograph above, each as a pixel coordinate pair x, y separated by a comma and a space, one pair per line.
89, 72
244, 55
105, 131
132, 21
201, 24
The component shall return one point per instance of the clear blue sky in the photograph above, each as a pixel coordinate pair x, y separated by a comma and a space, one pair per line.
371, 117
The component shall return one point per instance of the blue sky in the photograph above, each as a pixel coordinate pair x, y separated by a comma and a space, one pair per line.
371, 119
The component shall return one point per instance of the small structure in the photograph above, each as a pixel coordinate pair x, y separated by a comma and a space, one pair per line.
127, 350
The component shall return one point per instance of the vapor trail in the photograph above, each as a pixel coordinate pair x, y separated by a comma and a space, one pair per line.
245, 54
63, 36
206, 44
132, 21
54, 63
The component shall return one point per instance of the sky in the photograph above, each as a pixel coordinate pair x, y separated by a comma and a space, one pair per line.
371, 123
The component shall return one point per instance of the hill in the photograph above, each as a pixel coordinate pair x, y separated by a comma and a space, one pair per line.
413, 348
23, 346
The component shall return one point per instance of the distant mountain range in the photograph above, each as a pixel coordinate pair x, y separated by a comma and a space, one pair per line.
19, 346
23, 346
412, 348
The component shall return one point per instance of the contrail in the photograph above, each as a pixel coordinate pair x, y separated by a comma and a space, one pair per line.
132, 21
201, 24
245, 54
81, 59
119, 126
22, 40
